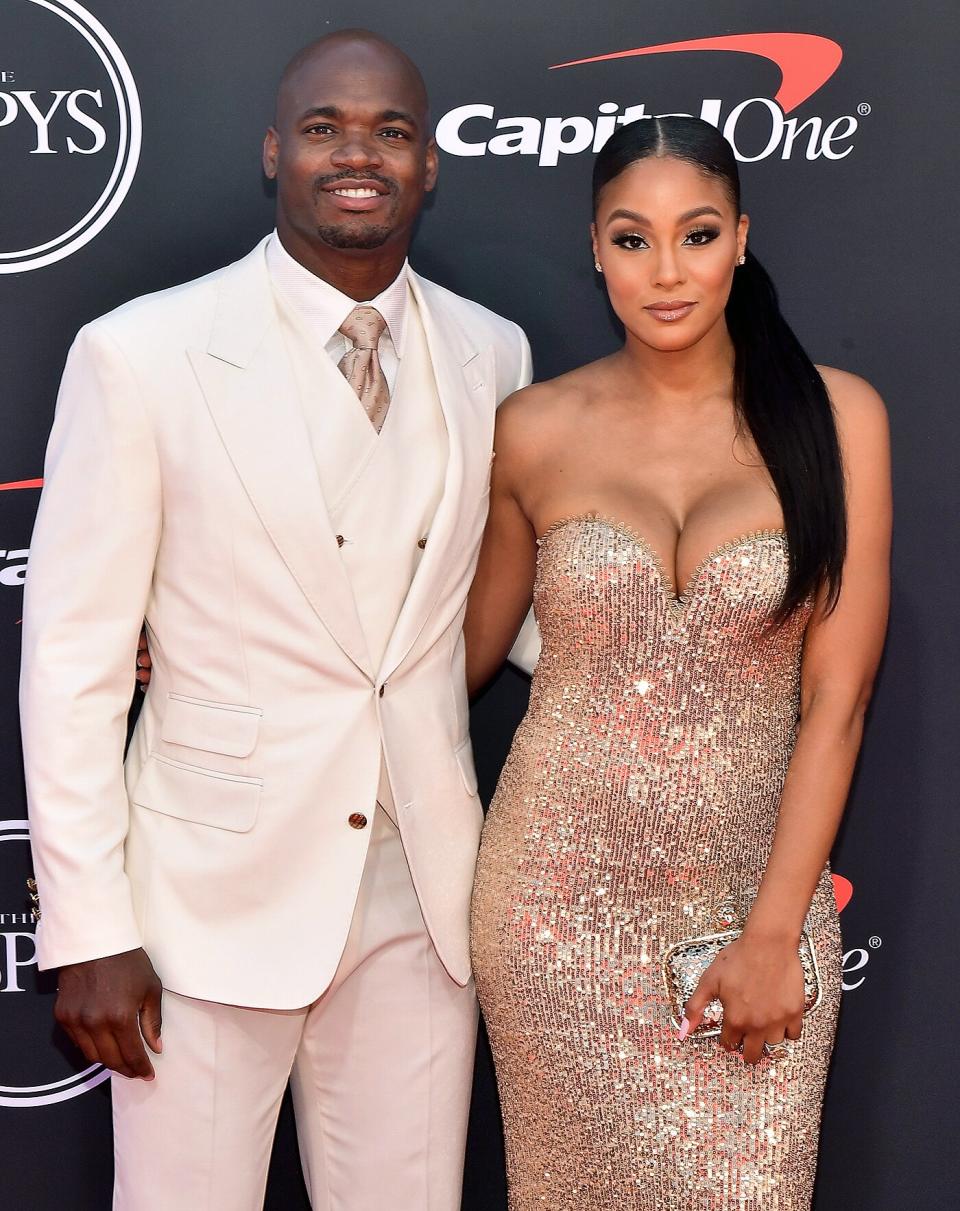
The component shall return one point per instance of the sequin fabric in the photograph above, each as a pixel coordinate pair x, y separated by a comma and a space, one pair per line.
640, 793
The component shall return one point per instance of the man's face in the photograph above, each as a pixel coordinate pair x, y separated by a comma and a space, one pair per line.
351, 152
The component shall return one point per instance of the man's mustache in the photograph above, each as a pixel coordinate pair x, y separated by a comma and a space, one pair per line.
322, 183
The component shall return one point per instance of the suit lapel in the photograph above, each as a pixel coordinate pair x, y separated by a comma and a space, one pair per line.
465, 383
250, 390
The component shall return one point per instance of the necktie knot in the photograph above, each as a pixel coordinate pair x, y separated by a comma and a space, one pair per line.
364, 326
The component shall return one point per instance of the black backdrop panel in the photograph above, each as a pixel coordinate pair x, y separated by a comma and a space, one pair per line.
849, 187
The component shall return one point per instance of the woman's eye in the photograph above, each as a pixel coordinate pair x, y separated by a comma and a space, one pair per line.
700, 236
630, 240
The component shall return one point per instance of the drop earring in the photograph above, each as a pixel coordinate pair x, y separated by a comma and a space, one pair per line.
598, 266
742, 259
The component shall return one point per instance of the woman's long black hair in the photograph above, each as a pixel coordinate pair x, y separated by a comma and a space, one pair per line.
778, 392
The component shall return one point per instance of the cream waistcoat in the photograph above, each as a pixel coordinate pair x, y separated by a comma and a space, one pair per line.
382, 490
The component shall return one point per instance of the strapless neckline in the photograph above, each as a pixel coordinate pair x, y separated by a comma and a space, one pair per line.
675, 601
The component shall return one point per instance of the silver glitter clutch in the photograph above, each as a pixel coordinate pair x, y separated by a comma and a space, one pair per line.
686, 961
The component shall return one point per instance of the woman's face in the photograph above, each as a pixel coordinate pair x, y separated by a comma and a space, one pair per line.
667, 238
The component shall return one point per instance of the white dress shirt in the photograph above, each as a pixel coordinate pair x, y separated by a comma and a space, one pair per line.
322, 308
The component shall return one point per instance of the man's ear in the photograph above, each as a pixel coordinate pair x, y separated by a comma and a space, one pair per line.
271, 153
433, 165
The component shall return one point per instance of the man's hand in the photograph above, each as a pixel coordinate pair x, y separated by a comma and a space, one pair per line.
109, 1007
144, 663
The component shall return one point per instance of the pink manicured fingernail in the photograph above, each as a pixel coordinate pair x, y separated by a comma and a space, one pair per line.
684, 1029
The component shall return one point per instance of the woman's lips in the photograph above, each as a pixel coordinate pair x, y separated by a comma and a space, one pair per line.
670, 310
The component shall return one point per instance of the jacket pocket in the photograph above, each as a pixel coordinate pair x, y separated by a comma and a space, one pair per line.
213, 727
464, 756
200, 796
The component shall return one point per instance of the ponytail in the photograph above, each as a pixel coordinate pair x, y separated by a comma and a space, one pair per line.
781, 399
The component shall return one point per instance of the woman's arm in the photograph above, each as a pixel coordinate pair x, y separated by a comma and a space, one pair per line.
758, 978
502, 588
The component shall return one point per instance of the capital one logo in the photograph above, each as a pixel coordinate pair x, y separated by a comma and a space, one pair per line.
70, 131
756, 127
35, 1072
856, 959
13, 560
13, 567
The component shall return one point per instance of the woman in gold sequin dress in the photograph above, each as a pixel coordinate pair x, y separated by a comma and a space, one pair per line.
702, 523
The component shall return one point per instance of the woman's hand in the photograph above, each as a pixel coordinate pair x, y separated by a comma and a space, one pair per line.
144, 664
759, 982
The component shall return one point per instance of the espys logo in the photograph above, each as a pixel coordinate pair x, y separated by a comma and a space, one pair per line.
756, 127
70, 131
23, 1017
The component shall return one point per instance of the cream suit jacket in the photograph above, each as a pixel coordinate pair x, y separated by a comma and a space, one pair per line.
180, 487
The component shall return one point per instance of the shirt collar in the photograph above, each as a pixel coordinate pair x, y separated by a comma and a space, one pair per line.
323, 306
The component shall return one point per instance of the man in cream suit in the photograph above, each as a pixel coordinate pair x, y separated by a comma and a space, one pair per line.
284, 468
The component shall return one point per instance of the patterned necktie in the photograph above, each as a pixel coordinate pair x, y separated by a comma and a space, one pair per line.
360, 365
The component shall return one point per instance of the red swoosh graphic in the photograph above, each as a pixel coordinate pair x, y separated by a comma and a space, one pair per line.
842, 891
806, 61
16, 484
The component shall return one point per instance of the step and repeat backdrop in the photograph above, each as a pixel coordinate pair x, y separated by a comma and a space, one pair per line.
129, 152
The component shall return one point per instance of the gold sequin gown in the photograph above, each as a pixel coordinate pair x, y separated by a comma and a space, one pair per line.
640, 793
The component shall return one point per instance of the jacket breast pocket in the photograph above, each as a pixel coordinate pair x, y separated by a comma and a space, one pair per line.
213, 727
201, 796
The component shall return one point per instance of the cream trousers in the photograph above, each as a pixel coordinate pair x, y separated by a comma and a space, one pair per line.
380, 1067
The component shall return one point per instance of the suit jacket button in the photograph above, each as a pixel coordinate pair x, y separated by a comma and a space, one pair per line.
357, 820
422, 543
380, 691
340, 540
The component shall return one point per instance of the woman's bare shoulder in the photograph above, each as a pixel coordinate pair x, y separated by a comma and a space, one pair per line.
860, 412
547, 406
852, 395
